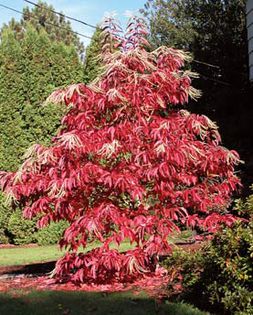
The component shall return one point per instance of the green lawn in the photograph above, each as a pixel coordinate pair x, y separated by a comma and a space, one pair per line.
27, 255
20, 256
86, 303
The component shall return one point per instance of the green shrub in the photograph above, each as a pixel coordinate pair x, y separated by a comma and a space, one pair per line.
21, 231
228, 269
245, 207
185, 268
51, 234
13, 227
3, 237
221, 274
5, 213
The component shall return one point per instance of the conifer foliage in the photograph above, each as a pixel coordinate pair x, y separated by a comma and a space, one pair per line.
128, 163
31, 67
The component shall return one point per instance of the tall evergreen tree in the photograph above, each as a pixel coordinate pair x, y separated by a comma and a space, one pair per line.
31, 66
41, 17
93, 64
30, 69
169, 23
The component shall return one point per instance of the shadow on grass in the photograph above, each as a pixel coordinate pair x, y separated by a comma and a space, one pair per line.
87, 303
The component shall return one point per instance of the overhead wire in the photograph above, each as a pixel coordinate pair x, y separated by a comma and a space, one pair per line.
206, 64
61, 14
215, 80
93, 26
46, 22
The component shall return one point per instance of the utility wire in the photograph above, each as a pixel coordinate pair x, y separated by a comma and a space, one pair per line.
49, 23
4, 6
61, 14
206, 64
85, 36
215, 80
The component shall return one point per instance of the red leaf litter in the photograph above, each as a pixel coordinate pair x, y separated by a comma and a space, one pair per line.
154, 284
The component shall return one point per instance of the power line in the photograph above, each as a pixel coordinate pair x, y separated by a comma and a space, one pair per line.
206, 64
46, 22
61, 14
85, 36
4, 6
215, 80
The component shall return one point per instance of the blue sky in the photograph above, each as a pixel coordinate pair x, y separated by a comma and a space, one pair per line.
90, 11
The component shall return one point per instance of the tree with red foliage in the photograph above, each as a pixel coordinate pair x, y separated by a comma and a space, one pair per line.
127, 164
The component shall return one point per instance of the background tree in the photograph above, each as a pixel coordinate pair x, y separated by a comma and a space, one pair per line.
93, 63
128, 164
31, 66
55, 25
169, 23
218, 38
30, 69
214, 31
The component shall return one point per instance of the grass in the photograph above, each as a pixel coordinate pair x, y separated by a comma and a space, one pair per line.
27, 255
87, 303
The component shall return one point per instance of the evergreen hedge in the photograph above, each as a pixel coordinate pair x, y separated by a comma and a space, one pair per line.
31, 67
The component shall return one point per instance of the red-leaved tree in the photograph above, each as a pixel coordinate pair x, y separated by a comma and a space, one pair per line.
127, 164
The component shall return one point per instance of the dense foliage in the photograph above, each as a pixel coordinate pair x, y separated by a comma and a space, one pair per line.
51, 234
5, 213
229, 261
19, 230
93, 63
128, 163
221, 274
169, 23
244, 206
31, 67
